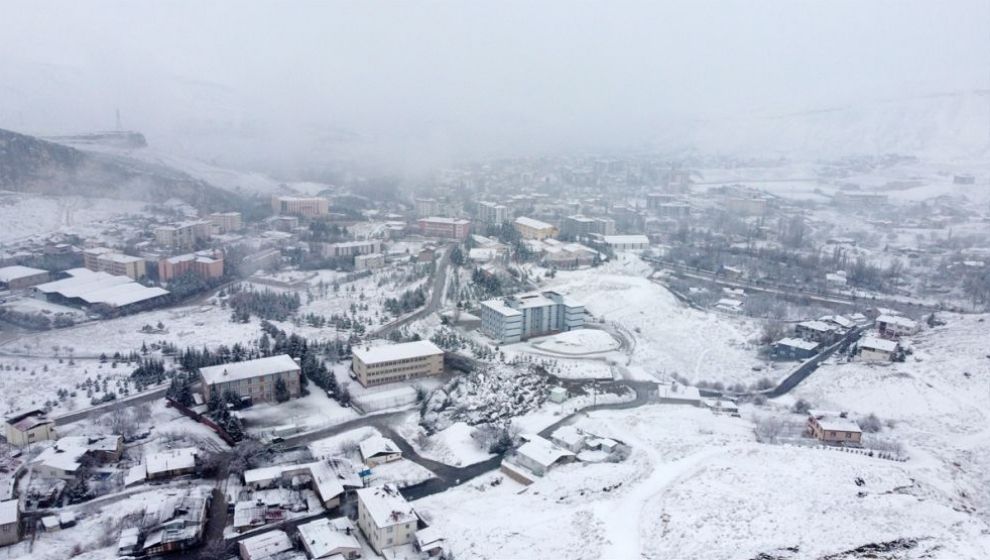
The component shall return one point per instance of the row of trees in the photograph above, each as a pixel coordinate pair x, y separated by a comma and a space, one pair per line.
265, 304
408, 301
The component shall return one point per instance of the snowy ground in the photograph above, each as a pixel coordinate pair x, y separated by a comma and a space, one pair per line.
940, 414
452, 446
403, 472
305, 413
24, 216
697, 485
668, 336
577, 343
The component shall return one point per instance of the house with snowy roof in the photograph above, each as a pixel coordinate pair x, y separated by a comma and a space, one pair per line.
378, 449
834, 429
385, 517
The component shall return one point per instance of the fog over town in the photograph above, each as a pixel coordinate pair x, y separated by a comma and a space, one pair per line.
477, 280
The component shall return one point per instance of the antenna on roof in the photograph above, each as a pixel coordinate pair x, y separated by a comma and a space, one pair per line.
119, 128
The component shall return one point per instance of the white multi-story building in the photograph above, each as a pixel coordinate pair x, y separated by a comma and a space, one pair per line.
385, 517
531, 314
492, 213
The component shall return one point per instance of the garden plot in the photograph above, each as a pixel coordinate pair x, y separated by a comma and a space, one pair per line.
668, 337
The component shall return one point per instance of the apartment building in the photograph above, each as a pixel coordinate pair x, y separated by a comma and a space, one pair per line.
492, 213
578, 226
370, 261
307, 207
102, 259
450, 228
226, 222
183, 235
523, 316
253, 378
385, 517
345, 248
378, 365
529, 228
204, 264
426, 207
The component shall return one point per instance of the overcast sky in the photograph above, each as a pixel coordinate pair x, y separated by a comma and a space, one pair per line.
453, 75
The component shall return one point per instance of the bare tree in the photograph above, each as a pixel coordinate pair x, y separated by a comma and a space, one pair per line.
768, 429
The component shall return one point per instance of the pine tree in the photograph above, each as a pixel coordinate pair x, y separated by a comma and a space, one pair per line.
281, 391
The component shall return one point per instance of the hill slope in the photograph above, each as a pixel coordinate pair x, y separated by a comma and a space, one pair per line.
29, 164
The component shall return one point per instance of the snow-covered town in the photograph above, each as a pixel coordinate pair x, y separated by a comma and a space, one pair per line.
766, 339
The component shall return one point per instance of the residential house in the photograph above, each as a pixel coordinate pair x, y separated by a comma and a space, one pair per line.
535, 457
895, 326
816, 331
377, 450
29, 427
385, 518
569, 437
264, 546
330, 538
10, 522
173, 462
834, 429
794, 349
874, 349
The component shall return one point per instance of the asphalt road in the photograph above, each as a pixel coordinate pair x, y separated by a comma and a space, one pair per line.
434, 303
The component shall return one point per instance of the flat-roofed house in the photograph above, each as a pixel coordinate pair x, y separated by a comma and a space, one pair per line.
385, 517
253, 378
378, 365
29, 427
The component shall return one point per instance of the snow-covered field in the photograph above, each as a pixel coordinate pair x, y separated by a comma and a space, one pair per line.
698, 486
669, 337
